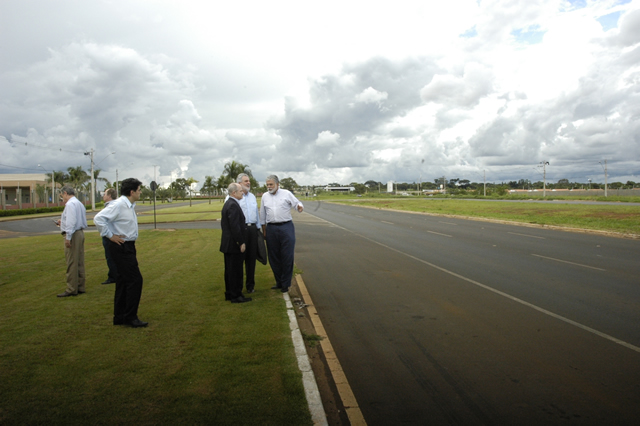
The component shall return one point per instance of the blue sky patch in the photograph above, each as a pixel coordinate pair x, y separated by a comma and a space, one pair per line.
470, 33
609, 21
528, 36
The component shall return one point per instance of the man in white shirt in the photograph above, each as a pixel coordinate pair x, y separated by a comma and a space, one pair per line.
278, 230
72, 223
108, 197
118, 222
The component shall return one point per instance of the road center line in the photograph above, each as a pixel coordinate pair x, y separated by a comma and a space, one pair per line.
525, 235
390, 223
501, 293
566, 261
448, 223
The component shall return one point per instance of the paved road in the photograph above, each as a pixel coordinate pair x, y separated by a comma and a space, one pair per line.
22, 227
446, 321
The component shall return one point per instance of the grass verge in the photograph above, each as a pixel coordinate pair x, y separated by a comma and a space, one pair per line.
620, 218
201, 360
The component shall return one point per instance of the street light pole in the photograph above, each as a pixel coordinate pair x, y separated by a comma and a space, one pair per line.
93, 182
53, 194
544, 178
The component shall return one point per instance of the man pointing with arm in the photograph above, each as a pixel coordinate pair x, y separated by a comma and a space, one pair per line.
278, 230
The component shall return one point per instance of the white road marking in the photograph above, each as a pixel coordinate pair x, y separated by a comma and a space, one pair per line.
390, 223
566, 261
525, 235
437, 233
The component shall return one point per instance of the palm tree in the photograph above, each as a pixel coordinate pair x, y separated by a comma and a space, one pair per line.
208, 186
96, 174
77, 177
224, 181
233, 169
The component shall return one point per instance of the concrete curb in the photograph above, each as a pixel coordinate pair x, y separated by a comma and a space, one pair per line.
308, 379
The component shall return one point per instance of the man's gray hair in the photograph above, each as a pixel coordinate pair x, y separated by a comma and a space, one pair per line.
233, 187
68, 190
240, 176
274, 178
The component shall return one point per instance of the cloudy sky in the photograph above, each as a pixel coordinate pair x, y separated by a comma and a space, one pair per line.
332, 91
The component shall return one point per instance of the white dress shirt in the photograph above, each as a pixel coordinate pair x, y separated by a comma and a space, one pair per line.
74, 217
249, 206
118, 218
276, 208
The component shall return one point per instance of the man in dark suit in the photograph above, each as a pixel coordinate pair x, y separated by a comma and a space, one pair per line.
233, 245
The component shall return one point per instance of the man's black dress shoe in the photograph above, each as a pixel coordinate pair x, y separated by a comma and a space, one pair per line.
65, 294
136, 323
284, 290
81, 292
109, 282
241, 299
253, 290
275, 287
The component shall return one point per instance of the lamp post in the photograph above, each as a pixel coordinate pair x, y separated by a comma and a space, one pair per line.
93, 173
93, 177
605, 176
544, 178
53, 194
93, 184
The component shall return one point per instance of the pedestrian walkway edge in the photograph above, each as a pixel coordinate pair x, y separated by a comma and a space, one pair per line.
346, 394
308, 379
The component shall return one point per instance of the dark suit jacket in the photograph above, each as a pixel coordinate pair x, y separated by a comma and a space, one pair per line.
233, 227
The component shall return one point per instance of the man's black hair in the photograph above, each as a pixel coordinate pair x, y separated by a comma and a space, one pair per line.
128, 185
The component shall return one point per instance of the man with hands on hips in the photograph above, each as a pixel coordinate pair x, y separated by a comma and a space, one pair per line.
118, 222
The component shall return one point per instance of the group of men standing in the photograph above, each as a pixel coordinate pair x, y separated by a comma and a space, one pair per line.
118, 226
244, 228
242, 222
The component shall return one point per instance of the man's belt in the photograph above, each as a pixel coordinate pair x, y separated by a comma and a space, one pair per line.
278, 223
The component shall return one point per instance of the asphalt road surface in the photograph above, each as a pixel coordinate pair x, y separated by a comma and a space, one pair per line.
448, 321
22, 227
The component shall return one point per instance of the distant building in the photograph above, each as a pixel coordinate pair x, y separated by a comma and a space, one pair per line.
339, 188
390, 186
19, 191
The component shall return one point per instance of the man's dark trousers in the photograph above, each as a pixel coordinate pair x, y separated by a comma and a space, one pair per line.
250, 255
281, 243
113, 274
128, 283
233, 275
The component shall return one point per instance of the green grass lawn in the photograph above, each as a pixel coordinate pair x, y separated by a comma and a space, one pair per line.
201, 360
621, 218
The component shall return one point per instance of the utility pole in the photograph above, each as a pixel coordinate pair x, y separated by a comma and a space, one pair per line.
484, 175
117, 194
420, 182
605, 177
93, 182
544, 178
